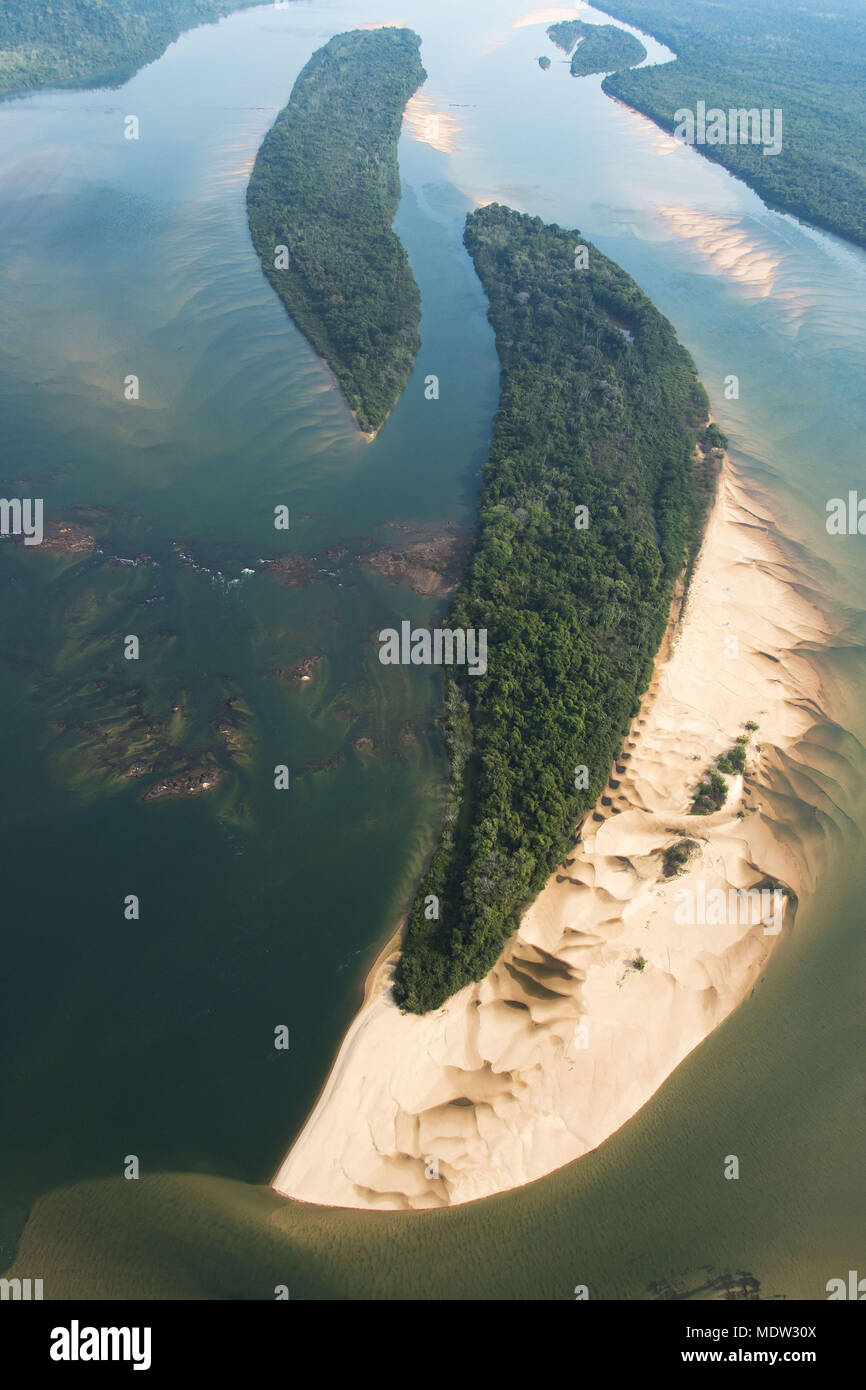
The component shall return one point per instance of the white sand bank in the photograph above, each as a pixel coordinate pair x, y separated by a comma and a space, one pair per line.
565, 1039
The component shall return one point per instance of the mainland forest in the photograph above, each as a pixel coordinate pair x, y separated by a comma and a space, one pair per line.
600, 408
74, 42
806, 59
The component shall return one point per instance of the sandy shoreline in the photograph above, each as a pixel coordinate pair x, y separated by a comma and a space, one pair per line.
617, 971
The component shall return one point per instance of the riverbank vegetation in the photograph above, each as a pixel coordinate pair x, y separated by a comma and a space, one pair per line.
587, 418
806, 60
321, 201
80, 42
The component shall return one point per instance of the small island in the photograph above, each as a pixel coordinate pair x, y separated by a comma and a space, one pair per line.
600, 47
321, 201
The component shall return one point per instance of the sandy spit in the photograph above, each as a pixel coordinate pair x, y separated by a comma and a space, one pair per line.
618, 970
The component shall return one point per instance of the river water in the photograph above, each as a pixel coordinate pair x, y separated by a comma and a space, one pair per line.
154, 1037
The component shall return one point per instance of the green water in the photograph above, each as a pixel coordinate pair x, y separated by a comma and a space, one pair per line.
259, 907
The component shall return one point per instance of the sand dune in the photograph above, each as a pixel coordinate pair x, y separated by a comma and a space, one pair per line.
732, 247
604, 989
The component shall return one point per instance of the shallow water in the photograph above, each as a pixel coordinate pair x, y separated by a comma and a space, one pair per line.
261, 908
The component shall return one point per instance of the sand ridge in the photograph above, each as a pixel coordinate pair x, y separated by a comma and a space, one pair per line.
603, 990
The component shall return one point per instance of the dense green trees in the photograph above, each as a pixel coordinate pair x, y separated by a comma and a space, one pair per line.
807, 59
566, 33
605, 49
574, 617
601, 47
80, 41
326, 186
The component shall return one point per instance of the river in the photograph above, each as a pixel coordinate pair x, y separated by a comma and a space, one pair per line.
154, 1037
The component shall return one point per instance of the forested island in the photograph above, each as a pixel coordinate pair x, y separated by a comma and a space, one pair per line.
575, 602
600, 47
321, 201
76, 42
806, 60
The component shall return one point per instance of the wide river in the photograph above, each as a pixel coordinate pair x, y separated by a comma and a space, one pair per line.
154, 1037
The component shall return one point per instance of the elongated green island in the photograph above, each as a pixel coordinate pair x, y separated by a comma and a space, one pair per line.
600, 409
321, 201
